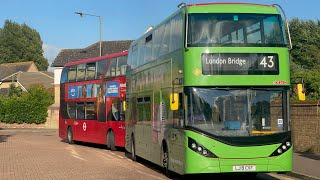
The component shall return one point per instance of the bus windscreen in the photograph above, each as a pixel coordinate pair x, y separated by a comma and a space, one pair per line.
223, 30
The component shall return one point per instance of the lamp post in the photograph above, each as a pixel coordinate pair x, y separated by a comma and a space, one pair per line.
100, 22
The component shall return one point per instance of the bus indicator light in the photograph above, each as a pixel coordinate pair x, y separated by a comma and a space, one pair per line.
196, 72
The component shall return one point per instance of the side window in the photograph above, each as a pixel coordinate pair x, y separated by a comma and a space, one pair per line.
157, 41
101, 66
164, 49
71, 109
112, 68
176, 33
90, 111
122, 65
144, 109
148, 52
147, 108
81, 72
141, 51
91, 71
140, 107
72, 73
80, 110
155, 45
64, 75
134, 57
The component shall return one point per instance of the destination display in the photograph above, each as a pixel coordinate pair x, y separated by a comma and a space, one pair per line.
240, 64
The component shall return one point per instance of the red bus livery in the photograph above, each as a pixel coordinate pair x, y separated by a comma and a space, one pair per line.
92, 100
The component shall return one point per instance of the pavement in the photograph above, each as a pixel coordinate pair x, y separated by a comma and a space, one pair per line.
305, 165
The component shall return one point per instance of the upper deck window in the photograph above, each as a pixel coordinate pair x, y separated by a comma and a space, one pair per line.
72, 73
101, 67
64, 75
91, 71
262, 30
117, 67
81, 70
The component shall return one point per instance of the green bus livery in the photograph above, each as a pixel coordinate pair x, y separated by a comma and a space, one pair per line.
208, 91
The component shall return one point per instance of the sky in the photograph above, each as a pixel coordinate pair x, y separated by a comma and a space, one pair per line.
60, 28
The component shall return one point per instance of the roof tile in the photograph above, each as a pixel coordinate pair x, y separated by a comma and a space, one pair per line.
108, 47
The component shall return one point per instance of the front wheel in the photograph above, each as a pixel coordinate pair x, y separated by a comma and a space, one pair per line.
165, 162
70, 136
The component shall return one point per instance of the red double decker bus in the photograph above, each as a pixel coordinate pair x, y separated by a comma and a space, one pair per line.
92, 100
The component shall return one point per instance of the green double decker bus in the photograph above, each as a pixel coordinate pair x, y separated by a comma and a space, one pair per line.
208, 91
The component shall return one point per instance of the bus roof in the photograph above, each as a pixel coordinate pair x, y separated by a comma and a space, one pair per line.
219, 3
96, 58
232, 7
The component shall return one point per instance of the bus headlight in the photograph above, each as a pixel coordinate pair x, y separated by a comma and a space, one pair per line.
288, 144
285, 146
205, 152
200, 149
193, 146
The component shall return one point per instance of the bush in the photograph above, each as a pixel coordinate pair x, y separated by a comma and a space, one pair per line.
30, 107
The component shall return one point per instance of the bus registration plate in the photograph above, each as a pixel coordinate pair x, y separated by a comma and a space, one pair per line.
244, 168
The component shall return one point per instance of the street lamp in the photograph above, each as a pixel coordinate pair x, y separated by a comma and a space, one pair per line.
100, 20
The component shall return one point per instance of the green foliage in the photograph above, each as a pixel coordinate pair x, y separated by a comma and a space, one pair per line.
14, 91
30, 107
305, 55
20, 43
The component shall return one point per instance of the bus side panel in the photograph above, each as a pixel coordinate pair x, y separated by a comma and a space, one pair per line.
62, 128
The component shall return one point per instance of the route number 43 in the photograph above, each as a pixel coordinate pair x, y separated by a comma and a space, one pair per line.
267, 61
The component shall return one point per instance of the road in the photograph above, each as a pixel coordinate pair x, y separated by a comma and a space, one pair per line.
42, 155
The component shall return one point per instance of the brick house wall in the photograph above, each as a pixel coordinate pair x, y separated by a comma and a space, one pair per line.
305, 119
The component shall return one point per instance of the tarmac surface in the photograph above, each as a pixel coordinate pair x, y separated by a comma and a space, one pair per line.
40, 154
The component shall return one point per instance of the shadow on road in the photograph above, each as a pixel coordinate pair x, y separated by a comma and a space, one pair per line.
4, 138
261, 176
310, 156
156, 168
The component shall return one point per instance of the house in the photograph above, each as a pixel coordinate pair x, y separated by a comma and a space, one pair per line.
22, 74
70, 55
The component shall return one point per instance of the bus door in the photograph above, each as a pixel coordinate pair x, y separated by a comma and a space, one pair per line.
116, 119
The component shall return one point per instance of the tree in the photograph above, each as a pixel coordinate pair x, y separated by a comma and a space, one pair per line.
305, 54
20, 43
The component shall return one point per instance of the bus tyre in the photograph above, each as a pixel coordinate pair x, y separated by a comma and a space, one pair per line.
165, 161
110, 141
70, 136
133, 150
